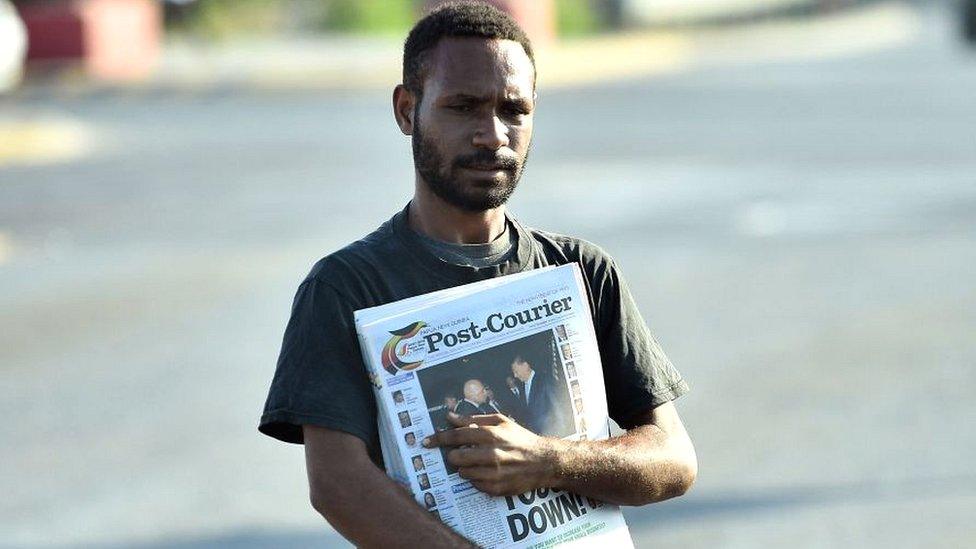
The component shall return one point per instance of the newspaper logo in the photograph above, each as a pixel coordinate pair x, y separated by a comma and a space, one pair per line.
400, 353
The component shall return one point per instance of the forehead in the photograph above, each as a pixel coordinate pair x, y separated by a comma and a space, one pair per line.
479, 67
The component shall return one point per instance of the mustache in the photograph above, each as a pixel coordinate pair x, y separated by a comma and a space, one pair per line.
486, 158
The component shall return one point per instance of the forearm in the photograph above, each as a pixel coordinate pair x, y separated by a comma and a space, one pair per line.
361, 502
370, 510
653, 461
642, 466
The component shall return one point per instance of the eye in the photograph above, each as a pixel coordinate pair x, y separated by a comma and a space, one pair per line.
461, 108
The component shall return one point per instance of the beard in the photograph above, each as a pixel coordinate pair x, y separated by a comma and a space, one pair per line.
443, 179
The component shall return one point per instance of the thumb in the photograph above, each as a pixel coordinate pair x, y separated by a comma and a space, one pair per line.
467, 421
459, 420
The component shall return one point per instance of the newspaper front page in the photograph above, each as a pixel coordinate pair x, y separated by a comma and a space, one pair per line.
521, 345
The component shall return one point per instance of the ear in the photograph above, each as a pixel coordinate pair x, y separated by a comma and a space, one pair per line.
404, 102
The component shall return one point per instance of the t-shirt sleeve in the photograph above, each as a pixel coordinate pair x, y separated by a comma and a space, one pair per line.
320, 378
637, 373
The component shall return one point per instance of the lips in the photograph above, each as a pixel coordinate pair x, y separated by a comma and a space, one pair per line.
487, 163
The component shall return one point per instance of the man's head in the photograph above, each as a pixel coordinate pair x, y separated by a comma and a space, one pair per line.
450, 401
510, 381
521, 369
410, 438
474, 390
467, 100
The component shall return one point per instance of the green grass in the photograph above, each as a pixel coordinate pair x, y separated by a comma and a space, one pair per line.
370, 16
576, 18
226, 18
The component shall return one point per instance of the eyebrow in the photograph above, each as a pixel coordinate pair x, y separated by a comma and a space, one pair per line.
464, 97
520, 101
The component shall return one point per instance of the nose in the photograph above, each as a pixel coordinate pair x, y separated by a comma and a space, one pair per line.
492, 134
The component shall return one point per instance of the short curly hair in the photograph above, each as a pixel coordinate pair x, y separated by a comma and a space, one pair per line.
456, 19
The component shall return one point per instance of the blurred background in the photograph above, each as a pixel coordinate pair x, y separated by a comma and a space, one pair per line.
790, 186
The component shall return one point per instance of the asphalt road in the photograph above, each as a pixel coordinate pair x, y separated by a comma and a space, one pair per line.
800, 235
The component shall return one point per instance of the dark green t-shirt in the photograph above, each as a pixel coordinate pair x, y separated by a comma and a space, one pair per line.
321, 379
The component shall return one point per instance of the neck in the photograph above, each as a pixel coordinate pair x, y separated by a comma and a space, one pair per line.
434, 217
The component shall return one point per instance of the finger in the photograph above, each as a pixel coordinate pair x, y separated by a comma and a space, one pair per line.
481, 419
475, 456
479, 474
494, 488
460, 436
458, 420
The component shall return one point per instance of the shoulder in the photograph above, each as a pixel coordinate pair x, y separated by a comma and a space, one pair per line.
602, 277
352, 267
558, 248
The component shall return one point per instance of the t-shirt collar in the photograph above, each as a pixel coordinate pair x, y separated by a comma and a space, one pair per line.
519, 261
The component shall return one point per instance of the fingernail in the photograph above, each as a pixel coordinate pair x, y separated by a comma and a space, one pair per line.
426, 441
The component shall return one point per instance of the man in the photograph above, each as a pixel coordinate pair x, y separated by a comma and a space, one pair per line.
467, 102
512, 401
491, 406
450, 402
438, 415
474, 399
513, 387
543, 415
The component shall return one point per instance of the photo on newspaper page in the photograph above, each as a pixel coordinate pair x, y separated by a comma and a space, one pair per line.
523, 379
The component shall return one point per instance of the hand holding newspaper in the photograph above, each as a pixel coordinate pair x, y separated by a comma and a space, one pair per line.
517, 350
495, 453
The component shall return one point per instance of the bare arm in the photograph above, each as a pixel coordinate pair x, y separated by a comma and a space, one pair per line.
361, 502
651, 462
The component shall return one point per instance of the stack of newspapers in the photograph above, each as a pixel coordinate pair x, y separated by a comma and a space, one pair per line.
521, 345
